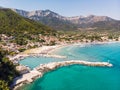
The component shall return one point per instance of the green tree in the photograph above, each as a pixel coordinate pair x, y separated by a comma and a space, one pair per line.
4, 85
7, 70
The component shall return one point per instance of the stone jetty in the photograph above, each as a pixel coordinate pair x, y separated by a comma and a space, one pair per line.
54, 65
42, 68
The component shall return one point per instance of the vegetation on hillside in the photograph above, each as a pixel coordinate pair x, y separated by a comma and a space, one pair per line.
107, 25
12, 23
7, 71
22, 29
4, 85
57, 23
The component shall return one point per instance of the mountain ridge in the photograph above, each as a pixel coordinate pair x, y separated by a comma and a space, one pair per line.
59, 22
47, 12
48, 18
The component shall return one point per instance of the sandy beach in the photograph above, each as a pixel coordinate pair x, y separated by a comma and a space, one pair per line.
45, 51
40, 50
48, 51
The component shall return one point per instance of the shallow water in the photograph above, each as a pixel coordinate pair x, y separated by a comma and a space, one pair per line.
33, 62
80, 77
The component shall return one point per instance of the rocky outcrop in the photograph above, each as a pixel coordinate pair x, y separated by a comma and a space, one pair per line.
22, 69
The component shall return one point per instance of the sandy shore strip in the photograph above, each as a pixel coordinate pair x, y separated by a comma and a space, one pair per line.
44, 51
40, 70
49, 51
40, 50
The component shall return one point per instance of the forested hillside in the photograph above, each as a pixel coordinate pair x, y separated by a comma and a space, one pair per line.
11, 23
7, 71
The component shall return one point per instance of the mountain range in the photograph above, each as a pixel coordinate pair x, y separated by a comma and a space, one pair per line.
60, 22
36, 15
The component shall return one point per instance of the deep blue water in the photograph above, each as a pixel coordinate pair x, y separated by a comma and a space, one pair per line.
80, 77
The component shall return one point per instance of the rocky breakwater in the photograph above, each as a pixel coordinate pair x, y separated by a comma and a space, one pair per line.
25, 78
42, 68
51, 66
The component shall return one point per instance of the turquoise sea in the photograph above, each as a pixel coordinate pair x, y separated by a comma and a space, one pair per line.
80, 77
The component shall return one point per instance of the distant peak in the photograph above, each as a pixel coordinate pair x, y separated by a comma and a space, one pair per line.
91, 15
36, 11
96, 16
48, 10
1, 7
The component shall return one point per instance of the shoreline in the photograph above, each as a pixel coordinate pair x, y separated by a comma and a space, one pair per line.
39, 71
48, 51
44, 51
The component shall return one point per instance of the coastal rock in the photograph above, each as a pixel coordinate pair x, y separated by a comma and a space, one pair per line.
22, 69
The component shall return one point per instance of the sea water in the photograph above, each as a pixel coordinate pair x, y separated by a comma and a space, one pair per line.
33, 62
81, 77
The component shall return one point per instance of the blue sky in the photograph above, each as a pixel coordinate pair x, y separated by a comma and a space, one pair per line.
69, 7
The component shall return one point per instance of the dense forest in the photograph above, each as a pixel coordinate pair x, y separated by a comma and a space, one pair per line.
7, 71
12, 23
